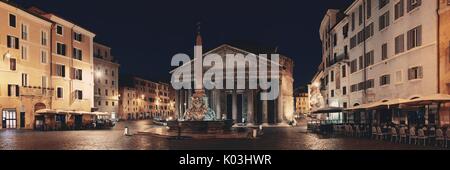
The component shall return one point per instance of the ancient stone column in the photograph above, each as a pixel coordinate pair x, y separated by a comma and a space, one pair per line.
234, 107
280, 110
265, 112
250, 106
177, 104
217, 103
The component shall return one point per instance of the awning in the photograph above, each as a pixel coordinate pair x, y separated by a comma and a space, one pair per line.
435, 98
46, 111
328, 110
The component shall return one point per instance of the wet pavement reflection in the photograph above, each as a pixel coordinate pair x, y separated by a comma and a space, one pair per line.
273, 139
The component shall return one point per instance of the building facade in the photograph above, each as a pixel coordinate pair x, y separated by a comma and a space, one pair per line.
47, 63
25, 66
302, 101
143, 99
244, 105
106, 82
382, 51
444, 54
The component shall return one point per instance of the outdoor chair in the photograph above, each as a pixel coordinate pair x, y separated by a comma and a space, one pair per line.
394, 134
402, 134
374, 132
439, 137
412, 135
358, 132
421, 137
380, 134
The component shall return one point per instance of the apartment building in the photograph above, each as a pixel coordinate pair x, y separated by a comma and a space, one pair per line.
444, 54
24, 66
381, 51
142, 99
106, 82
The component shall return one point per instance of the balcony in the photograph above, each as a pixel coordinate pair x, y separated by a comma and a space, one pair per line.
343, 57
36, 91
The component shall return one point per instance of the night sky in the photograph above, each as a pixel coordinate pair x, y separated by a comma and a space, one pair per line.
144, 35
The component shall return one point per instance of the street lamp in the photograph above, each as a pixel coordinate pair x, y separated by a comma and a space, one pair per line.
98, 74
7, 55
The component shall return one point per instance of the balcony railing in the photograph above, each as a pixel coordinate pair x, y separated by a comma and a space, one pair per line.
36, 91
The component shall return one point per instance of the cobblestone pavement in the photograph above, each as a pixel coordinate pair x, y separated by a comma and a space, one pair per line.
274, 139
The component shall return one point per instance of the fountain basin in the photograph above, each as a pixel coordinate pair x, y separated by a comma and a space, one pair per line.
219, 126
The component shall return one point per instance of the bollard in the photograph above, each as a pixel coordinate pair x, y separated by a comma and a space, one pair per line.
126, 132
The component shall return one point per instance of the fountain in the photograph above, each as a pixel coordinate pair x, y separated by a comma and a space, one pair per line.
199, 118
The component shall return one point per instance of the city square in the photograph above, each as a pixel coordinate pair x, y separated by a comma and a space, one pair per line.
362, 75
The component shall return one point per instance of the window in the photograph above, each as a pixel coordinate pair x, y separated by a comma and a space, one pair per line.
44, 57
106, 81
24, 79
385, 80
12, 42
384, 21
384, 51
413, 4
370, 83
345, 31
369, 31
332, 93
78, 37
12, 20
382, 3
106, 103
361, 14
360, 36
344, 90
353, 66
59, 93
369, 59
415, 37
99, 91
24, 32
77, 54
399, 9
60, 70
61, 49
99, 103
344, 71
78, 95
335, 40
415, 73
44, 38
24, 52
12, 64
332, 76
59, 30
353, 21
13, 90
361, 62
113, 73
369, 8
106, 92
353, 42
398, 77
113, 103
113, 82
77, 74
400, 44
353, 88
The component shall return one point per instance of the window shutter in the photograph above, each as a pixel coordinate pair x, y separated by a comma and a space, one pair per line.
8, 41
420, 72
16, 43
81, 74
9, 90
409, 5
419, 35
17, 90
63, 71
